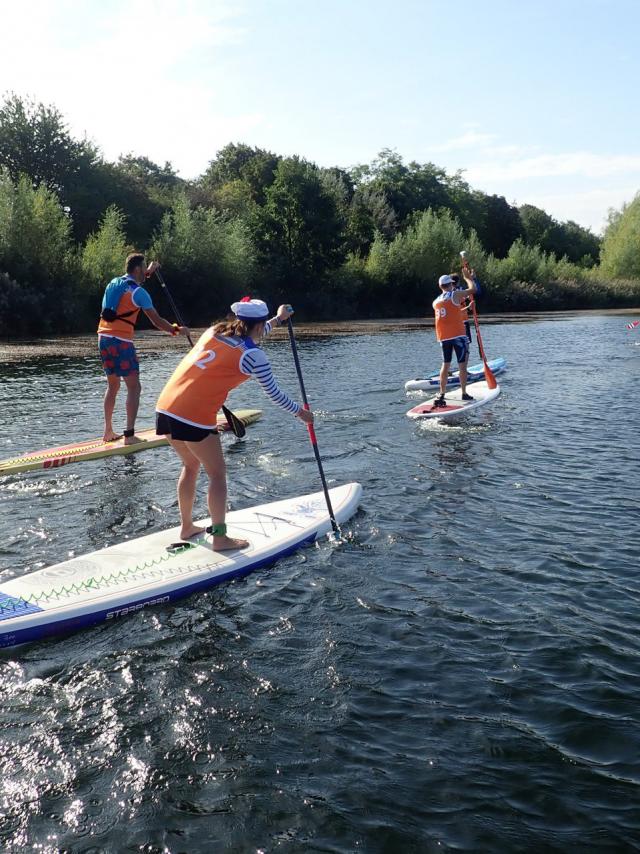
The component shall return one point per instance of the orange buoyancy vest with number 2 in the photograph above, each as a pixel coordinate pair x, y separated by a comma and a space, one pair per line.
450, 317
200, 384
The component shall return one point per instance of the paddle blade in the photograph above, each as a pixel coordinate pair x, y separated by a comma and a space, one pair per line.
237, 426
489, 377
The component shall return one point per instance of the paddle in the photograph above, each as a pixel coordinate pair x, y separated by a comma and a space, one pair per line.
174, 307
311, 429
235, 423
488, 373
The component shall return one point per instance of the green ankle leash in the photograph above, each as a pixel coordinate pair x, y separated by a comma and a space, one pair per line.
217, 530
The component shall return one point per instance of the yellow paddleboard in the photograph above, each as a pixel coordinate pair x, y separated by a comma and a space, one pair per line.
53, 458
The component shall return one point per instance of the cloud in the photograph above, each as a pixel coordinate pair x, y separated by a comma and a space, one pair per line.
142, 76
469, 139
579, 185
577, 163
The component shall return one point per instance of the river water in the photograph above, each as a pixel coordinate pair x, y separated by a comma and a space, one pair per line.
463, 676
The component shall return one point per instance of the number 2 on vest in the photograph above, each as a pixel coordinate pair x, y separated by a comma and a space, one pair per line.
207, 356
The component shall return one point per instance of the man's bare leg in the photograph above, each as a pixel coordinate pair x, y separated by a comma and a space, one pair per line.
110, 395
463, 377
132, 382
444, 375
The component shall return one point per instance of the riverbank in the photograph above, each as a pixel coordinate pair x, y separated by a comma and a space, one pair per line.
151, 341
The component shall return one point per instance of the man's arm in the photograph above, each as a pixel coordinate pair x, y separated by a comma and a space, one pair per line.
164, 325
142, 299
464, 293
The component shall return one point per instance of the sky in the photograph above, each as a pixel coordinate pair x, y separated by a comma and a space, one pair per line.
536, 100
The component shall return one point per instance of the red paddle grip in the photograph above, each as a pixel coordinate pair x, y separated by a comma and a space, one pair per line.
310, 427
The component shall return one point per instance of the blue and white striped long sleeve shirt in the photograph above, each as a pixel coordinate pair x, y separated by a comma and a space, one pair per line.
255, 363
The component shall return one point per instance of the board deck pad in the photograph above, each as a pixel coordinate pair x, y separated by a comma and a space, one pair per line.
94, 449
456, 407
475, 374
122, 579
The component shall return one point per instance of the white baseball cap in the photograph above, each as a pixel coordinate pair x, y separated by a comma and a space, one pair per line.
251, 309
446, 280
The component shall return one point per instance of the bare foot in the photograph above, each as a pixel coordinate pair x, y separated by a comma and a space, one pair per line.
190, 531
224, 544
111, 436
133, 440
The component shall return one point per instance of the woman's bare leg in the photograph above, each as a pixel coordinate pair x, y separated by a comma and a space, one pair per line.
209, 452
187, 488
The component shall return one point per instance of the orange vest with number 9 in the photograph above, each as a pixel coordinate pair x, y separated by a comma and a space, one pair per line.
449, 317
200, 384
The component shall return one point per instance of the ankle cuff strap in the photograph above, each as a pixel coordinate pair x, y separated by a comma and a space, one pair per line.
128, 433
217, 530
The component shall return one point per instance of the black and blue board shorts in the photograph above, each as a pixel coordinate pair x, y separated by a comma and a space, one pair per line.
461, 347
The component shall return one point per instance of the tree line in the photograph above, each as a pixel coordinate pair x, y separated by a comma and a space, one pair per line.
368, 241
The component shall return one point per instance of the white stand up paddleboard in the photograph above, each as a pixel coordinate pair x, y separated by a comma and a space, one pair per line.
475, 374
456, 406
119, 580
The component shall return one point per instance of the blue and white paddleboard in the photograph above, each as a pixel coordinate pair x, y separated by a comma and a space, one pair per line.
105, 585
476, 374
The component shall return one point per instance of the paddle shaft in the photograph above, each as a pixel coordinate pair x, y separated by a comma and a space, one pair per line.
491, 380
174, 307
311, 428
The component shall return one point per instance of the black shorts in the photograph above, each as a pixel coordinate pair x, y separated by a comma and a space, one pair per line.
168, 426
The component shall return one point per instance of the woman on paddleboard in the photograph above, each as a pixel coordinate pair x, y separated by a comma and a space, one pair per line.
225, 356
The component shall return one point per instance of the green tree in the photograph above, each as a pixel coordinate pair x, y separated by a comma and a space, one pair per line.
238, 162
406, 187
35, 141
234, 199
429, 248
299, 229
208, 258
38, 261
501, 225
620, 257
579, 244
105, 251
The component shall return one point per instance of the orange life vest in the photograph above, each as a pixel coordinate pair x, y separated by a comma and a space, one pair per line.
200, 384
123, 325
450, 317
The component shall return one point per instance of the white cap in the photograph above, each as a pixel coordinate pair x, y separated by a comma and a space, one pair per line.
446, 280
251, 309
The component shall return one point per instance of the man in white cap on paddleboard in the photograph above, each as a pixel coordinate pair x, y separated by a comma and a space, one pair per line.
451, 314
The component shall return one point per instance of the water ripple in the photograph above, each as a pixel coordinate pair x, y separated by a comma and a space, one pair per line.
463, 675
